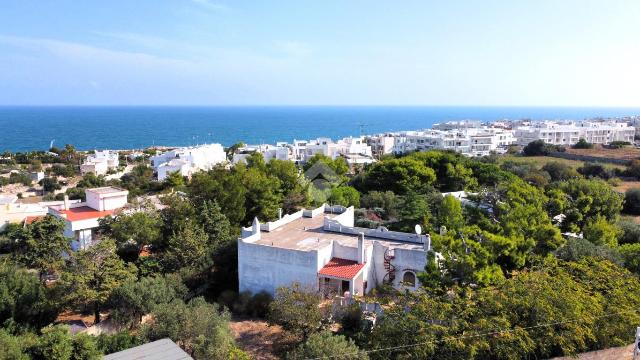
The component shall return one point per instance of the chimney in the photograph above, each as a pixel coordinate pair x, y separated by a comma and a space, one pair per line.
66, 202
361, 248
279, 213
427, 242
255, 227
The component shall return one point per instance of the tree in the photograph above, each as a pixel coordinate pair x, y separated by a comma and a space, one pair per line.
50, 184
11, 347
600, 232
325, 345
632, 201
631, 255
345, 196
42, 245
132, 232
399, 175
122, 340
630, 230
224, 186
187, 248
24, 301
297, 310
582, 144
263, 196
93, 274
55, 343
560, 171
174, 180
91, 180
590, 198
136, 298
536, 148
200, 328
450, 213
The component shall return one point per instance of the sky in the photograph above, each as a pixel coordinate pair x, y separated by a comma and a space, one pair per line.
300, 52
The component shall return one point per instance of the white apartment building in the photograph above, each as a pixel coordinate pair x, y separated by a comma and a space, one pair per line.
100, 162
188, 160
467, 141
281, 151
382, 144
568, 133
82, 217
12, 211
322, 250
303, 150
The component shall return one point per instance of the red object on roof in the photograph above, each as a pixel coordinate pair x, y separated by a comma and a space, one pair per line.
84, 213
31, 219
341, 268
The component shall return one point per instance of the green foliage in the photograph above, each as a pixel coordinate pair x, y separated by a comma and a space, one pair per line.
200, 328
50, 184
93, 274
600, 232
589, 198
175, 180
90, 180
186, 248
325, 345
41, 245
11, 347
540, 148
136, 298
132, 231
591, 170
632, 201
630, 231
338, 165
55, 343
560, 171
450, 213
582, 144
23, 299
558, 309
400, 176
297, 310
631, 255
345, 196
577, 249
20, 178
119, 341
139, 181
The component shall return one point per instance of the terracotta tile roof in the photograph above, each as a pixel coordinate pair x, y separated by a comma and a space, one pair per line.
84, 213
341, 268
31, 219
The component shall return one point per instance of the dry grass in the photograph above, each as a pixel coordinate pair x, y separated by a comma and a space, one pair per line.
618, 353
626, 185
626, 153
257, 338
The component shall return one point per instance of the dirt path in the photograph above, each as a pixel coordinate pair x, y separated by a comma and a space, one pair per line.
618, 353
257, 338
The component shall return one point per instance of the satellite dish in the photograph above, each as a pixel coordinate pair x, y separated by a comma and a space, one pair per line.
418, 229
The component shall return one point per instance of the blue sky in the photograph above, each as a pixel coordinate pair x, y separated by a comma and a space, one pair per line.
209, 52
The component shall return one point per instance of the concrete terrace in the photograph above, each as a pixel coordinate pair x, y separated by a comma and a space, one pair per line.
308, 233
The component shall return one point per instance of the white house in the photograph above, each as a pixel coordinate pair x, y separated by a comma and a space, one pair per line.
188, 160
322, 249
100, 162
12, 211
81, 218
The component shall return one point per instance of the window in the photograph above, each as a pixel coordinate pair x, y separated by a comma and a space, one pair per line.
409, 278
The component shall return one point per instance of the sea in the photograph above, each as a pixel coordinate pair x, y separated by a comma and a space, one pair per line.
88, 128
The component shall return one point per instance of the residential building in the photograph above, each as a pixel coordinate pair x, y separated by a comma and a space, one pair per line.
382, 144
12, 211
322, 250
82, 218
188, 160
569, 132
100, 162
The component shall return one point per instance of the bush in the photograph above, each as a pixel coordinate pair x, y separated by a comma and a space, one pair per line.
582, 144
630, 231
632, 201
540, 148
618, 144
325, 345
596, 170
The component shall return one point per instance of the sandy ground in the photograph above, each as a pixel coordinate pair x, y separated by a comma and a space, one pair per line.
257, 338
619, 353
627, 153
626, 185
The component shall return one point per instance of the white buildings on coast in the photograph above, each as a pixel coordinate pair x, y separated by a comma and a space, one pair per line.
568, 133
100, 162
322, 250
188, 160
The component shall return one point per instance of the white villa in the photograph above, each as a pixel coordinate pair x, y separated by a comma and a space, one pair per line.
82, 217
14, 212
100, 162
188, 160
322, 250
568, 133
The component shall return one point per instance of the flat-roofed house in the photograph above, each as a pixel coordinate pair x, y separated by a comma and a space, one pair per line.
81, 218
322, 249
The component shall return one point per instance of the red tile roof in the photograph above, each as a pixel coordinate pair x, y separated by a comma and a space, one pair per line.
84, 213
341, 268
30, 219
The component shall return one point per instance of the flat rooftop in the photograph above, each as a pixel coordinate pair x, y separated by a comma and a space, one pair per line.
84, 213
106, 190
308, 234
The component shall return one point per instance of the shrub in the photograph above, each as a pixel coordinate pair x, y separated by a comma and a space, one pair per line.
632, 201
582, 144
